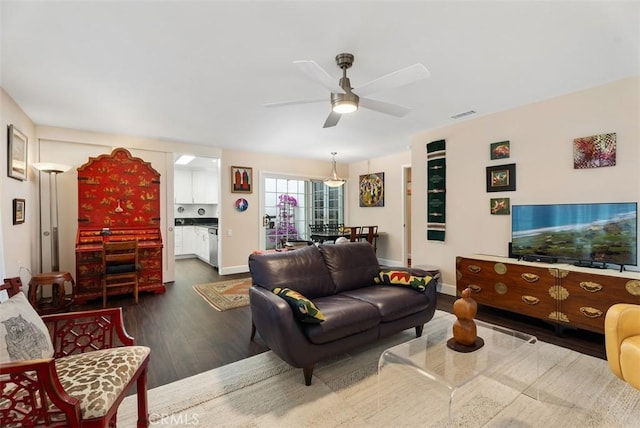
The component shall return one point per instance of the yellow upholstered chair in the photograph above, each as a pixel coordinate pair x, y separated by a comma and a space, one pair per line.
622, 341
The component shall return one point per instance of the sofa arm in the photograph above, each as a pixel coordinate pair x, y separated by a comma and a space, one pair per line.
78, 332
274, 319
26, 382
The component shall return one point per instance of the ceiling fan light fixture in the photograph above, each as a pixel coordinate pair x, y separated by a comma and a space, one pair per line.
344, 103
333, 180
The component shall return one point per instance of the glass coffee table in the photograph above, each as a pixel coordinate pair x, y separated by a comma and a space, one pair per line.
444, 381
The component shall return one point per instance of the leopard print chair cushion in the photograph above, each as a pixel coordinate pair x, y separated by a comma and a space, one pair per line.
98, 378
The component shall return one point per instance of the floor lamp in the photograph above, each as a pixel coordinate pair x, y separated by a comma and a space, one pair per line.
53, 169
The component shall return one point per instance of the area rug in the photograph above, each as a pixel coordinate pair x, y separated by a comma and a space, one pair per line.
262, 391
225, 295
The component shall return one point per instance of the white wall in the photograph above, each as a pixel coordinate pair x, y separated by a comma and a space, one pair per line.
541, 137
19, 242
390, 218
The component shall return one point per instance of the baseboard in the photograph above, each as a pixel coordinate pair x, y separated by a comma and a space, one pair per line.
447, 289
233, 269
390, 263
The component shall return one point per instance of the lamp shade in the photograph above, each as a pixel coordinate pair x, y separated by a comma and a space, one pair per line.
51, 167
333, 180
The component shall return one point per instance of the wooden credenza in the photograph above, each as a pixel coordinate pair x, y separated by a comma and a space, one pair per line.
560, 293
89, 261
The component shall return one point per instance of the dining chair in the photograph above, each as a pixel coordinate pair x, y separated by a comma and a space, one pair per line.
120, 267
370, 234
352, 232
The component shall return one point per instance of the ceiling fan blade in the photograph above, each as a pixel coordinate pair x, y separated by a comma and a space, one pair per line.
295, 102
396, 79
332, 120
384, 107
313, 70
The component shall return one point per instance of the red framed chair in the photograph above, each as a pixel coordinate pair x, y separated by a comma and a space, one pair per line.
93, 364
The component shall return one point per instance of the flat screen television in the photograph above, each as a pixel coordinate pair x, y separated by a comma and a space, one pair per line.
597, 233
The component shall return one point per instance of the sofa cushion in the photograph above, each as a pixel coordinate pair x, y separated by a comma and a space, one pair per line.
303, 308
302, 270
402, 278
343, 317
351, 265
393, 303
23, 334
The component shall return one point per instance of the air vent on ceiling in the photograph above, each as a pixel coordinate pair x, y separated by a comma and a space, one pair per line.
463, 114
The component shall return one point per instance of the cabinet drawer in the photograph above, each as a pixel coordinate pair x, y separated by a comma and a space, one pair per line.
522, 289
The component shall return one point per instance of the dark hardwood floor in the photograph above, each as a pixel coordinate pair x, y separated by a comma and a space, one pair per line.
188, 337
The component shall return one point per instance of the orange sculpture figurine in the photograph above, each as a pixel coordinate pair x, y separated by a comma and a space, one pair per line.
465, 334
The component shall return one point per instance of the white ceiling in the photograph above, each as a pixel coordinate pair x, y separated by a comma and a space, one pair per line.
200, 71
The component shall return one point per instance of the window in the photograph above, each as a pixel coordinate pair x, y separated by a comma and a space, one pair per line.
327, 205
292, 205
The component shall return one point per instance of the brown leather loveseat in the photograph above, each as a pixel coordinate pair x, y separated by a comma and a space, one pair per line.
339, 280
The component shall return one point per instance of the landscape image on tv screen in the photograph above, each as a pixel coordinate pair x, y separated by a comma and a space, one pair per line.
598, 232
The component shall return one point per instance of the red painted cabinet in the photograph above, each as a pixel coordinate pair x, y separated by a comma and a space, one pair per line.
118, 200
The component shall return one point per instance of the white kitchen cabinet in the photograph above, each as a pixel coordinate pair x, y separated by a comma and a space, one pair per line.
185, 240
205, 186
198, 186
182, 186
188, 239
202, 243
177, 241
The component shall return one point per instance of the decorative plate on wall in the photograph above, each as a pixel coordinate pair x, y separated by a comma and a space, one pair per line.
242, 204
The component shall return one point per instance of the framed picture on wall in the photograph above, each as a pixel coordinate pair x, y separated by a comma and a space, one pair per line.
501, 178
500, 150
18, 211
241, 179
500, 206
372, 190
17, 154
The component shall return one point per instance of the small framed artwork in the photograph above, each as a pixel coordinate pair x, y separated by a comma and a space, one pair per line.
372, 190
596, 151
500, 150
17, 154
501, 178
18, 211
500, 206
241, 179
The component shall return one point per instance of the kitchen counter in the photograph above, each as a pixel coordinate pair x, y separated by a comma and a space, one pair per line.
200, 221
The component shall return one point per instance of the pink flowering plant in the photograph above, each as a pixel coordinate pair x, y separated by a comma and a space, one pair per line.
286, 199
286, 228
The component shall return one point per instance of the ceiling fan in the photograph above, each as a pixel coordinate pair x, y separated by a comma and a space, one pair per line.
345, 99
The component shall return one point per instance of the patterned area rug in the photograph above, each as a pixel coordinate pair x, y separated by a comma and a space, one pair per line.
224, 295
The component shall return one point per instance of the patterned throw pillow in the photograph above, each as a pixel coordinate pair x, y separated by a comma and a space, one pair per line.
23, 334
303, 308
398, 277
